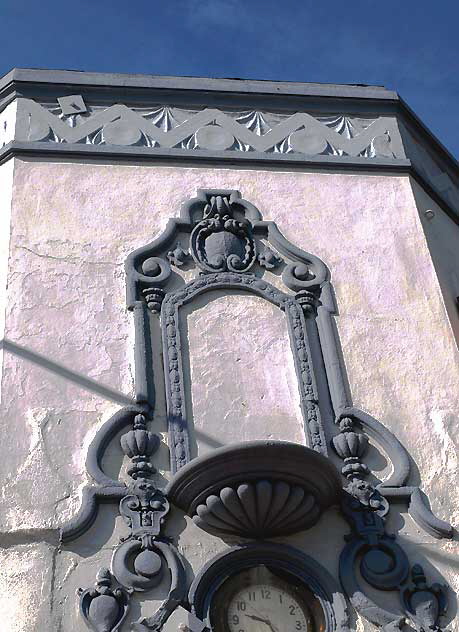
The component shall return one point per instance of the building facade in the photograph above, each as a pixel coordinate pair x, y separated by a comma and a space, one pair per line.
229, 368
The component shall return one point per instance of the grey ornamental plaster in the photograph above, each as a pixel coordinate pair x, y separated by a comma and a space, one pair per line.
223, 120
279, 499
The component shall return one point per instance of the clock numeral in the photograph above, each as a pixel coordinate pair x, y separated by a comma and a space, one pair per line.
241, 605
280, 598
292, 610
265, 594
252, 596
299, 625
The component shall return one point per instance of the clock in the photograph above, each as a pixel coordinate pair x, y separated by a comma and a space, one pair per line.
267, 587
264, 599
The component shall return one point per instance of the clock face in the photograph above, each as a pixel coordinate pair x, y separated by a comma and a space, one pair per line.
261, 600
266, 608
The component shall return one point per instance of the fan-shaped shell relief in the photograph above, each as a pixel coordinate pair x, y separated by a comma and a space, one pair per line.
261, 509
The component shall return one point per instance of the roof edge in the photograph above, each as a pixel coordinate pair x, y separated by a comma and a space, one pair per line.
159, 82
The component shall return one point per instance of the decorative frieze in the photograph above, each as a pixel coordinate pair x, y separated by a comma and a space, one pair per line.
209, 129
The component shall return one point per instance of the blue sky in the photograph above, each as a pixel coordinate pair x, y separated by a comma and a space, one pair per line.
409, 46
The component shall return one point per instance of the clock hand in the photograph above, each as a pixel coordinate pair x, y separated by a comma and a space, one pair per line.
272, 626
263, 620
254, 616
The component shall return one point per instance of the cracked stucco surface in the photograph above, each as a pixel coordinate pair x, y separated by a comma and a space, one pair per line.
26, 587
251, 382
72, 227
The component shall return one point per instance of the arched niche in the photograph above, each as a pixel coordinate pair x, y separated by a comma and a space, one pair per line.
237, 360
179, 406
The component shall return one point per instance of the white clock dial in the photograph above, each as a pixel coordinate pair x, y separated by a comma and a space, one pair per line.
266, 608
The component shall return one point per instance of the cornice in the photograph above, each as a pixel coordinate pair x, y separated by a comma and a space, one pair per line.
147, 154
20, 77
229, 121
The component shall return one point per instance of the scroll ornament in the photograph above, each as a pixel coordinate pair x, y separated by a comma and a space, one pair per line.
381, 562
140, 560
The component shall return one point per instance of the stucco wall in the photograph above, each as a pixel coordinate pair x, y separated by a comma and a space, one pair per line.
243, 382
6, 187
441, 235
69, 363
